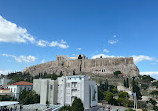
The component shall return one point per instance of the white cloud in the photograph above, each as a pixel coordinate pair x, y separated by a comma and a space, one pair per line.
154, 63
141, 58
26, 59
113, 41
4, 72
43, 61
62, 44
106, 50
73, 54
152, 74
79, 49
149, 73
103, 56
42, 43
137, 59
114, 36
11, 33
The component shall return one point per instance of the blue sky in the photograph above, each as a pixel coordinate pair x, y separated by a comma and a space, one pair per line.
35, 31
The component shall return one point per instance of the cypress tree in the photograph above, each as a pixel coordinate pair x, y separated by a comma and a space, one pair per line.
39, 75
127, 85
136, 89
61, 73
107, 85
133, 85
73, 72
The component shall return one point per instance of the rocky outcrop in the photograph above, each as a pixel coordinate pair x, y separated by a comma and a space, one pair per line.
100, 66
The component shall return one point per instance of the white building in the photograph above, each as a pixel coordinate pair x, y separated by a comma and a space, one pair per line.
47, 89
4, 81
79, 86
64, 90
17, 87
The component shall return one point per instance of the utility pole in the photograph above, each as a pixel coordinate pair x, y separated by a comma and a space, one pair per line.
135, 101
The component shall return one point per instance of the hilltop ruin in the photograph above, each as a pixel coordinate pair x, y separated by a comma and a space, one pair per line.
81, 64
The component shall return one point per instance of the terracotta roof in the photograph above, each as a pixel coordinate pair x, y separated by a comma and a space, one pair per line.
21, 83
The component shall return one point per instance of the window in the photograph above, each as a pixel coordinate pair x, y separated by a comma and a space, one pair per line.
68, 98
68, 91
67, 84
51, 87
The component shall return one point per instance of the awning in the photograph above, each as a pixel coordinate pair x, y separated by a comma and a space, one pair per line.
7, 103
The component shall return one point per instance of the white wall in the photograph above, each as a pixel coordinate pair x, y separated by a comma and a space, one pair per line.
82, 90
16, 89
64, 90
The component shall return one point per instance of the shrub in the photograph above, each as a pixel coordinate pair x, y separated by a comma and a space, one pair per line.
129, 110
77, 105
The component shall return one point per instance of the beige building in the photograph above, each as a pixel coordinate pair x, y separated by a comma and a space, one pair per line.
5, 91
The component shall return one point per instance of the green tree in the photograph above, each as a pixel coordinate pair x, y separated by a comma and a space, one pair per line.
66, 108
6, 98
39, 75
154, 93
61, 73
77, 105
136, 89
100, 95
144, 86
155, 84
129, 110
107, 85
147, 78
116, 73
73, 72
47, 103
155, 108
23, 94
123, 95
45, 74
54, 76
108, 97
29, 97
114, 90
127, 83
152, 101
123, 98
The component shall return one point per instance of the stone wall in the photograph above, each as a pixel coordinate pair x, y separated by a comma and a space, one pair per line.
101, 66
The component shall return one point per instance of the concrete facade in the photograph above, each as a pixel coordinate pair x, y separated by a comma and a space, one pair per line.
47, 89
64, 90
79, 64
79, 86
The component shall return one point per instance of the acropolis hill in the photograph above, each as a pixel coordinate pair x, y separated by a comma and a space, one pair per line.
80, 64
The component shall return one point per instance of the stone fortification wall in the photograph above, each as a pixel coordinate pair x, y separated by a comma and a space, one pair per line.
100, 66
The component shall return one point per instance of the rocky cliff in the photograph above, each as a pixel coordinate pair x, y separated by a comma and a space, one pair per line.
99, 66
